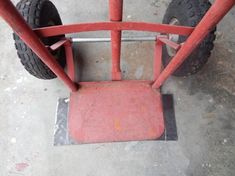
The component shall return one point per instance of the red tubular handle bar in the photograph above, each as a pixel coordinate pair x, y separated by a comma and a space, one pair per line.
32, 38
116, 11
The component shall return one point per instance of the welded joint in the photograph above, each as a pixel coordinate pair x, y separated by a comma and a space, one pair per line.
116, 76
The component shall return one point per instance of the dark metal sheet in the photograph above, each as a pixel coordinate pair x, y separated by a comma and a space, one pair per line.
61, 135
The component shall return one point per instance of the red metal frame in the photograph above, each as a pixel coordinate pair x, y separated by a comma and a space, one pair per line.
31, 37
137, 117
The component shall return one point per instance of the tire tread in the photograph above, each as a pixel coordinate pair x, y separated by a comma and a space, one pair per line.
30, 10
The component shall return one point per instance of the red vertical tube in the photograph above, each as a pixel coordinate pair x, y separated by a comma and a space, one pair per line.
157, 59
116, 10
69, 60
18, 24
212, 17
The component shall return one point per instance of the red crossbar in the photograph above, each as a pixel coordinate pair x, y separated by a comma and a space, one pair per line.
110, 26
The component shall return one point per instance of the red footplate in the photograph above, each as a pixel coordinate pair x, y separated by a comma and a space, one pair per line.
115, 111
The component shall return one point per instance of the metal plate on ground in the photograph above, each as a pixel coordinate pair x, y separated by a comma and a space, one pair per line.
61, 134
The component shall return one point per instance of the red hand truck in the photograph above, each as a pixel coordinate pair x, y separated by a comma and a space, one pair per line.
114, 110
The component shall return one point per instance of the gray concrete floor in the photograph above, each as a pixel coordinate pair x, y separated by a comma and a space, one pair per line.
204, 105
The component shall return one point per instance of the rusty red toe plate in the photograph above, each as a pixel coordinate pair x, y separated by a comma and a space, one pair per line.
115, 111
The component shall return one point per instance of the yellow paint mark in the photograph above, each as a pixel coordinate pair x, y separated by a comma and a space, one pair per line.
151, 132
117, 124
143, 109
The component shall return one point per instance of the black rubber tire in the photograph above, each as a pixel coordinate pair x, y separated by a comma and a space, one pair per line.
189, 13
39, 13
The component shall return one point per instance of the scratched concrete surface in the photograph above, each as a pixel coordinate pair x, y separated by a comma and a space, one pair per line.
204, 104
